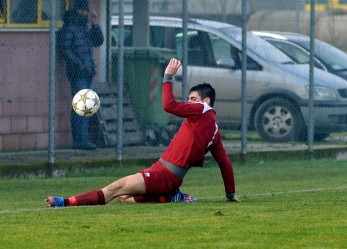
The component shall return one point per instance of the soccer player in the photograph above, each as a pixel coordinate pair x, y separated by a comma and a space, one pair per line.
197, 135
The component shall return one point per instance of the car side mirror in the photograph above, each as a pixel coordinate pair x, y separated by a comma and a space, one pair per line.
227, 62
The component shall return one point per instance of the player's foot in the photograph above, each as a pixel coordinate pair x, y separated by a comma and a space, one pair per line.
179, 196
234, 199
54, 201
231, 197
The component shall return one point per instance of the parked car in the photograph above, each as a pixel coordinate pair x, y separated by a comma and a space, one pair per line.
277, 87
297, 46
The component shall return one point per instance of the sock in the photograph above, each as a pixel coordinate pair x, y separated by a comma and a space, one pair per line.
93, 197
66, 202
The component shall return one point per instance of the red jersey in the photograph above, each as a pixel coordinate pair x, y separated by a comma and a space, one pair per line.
197, 135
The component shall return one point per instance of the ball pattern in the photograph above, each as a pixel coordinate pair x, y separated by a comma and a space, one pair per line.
86, 102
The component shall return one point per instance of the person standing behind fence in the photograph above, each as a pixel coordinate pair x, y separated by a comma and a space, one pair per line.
78, 39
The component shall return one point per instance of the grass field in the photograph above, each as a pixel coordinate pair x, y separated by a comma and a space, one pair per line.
285, 204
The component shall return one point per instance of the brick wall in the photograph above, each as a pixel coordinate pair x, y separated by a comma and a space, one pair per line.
24, 94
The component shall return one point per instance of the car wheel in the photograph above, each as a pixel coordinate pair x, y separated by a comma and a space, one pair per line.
278, 120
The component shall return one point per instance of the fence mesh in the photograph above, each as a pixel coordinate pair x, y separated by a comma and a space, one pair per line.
277, 74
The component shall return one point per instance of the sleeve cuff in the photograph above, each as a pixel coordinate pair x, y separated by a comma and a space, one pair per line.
167, 78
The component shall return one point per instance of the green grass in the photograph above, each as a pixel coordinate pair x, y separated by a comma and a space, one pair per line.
285, 204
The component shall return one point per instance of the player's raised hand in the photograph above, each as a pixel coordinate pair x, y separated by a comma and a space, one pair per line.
173, 66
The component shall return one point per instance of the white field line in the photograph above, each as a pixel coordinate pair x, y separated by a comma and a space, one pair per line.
22, 210
286, 192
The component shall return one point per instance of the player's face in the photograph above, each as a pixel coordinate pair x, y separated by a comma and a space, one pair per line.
194, 97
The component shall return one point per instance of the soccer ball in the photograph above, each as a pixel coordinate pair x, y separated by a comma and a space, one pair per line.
86, 102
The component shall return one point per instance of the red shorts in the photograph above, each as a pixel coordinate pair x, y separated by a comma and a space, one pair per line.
159, 180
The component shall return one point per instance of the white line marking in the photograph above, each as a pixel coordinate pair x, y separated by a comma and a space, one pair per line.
22, 210
300, 191
280, 193
284, 192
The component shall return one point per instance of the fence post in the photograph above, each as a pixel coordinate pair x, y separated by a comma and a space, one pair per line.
244, 83
311, 83
51, 151
185, 84
120, 82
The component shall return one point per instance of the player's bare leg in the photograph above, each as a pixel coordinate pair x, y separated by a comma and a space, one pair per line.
126, 198
129, 185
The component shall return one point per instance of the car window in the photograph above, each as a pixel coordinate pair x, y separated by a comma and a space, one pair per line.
294, 52
128, 36
179, 40
163, 37
223, 49
200, 51
332, 56
259, 46
204, 49
156, 38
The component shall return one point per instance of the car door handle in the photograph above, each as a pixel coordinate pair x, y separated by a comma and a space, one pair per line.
178, 78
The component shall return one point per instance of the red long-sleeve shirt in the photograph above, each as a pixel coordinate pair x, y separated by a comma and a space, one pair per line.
197, 135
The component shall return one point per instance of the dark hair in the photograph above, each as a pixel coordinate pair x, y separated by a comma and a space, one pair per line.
82, 4
205, 90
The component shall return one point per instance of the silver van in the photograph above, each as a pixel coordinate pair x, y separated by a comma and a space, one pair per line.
277, 88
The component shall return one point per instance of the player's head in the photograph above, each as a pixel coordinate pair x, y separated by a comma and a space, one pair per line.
81, 12
82, 5
82, 9
202, 93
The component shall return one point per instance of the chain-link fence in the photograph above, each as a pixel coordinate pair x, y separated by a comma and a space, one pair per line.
273, 68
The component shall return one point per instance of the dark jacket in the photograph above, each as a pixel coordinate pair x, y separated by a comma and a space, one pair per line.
77, 47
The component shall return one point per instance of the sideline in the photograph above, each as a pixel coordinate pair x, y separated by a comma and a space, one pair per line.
282, 192
299, 191
22, 210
